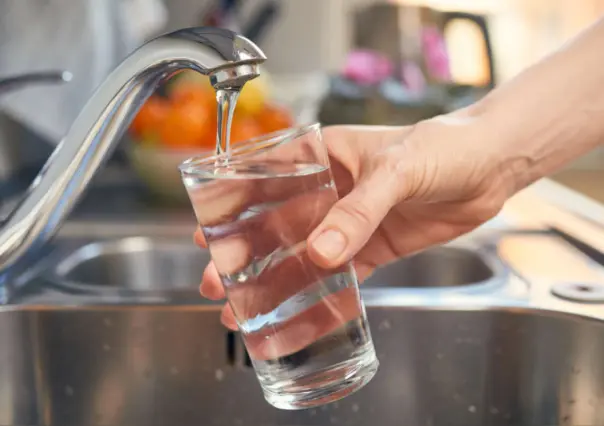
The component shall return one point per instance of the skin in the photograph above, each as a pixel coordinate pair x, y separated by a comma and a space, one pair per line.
403, 189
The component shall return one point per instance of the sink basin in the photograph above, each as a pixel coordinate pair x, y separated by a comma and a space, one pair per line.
168, 366
134, 264
146, 264
444, 266
109, 354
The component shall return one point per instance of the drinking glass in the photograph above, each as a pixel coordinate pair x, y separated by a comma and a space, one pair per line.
304, 327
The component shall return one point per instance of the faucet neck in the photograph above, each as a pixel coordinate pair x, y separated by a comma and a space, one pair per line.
228, 58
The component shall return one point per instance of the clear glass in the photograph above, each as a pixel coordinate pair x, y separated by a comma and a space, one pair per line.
304, 327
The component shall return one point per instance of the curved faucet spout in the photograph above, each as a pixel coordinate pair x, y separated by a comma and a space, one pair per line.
227, 58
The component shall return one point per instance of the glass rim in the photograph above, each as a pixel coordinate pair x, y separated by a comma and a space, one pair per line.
248, 147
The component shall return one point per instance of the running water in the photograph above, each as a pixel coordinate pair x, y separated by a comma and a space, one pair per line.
227, 101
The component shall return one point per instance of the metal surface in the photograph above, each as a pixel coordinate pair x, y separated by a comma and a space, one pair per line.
8, 84
134, 265
227, 58
580, 292
156, 355
436, 267
159, 366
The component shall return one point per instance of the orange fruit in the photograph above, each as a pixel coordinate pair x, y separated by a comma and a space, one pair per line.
253, 97
191, 92
186, 125
244, 128
149, 117
273, 118
208, 141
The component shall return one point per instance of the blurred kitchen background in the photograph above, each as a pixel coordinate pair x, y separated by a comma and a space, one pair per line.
335, 61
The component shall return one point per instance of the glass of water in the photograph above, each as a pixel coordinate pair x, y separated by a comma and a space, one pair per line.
304, 327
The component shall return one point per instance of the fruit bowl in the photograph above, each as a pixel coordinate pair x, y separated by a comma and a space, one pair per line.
181, 123
157, 168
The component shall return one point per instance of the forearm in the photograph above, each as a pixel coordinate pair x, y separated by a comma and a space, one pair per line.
551, 113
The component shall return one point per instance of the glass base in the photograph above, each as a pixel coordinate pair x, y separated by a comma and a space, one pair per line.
325, 386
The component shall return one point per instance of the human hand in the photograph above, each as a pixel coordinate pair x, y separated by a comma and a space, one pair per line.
402, 190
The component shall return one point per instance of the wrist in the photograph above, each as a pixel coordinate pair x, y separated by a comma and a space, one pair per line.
512, 154
455, 158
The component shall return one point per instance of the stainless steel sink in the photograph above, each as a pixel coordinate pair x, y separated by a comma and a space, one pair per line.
160, 264
135, 265
110, 330
167, 366
437, 267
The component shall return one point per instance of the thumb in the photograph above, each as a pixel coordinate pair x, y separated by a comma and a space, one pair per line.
351, 221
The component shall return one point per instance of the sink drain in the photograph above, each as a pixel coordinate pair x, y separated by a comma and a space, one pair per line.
580, 292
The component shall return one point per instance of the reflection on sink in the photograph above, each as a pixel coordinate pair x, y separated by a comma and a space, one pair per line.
134, 264
437, 267
168, 366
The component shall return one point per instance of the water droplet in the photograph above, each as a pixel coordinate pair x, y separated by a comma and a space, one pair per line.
472, 409
440, 356
384, 325
333, 420
69, 391
324, 408
174, 371
355, 408
106, 347
494, 410
313, 413
219, 375
107, 321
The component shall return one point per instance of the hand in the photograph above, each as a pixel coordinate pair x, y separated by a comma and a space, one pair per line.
402, 190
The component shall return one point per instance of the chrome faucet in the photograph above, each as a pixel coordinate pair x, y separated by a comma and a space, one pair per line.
16, 82
228, 59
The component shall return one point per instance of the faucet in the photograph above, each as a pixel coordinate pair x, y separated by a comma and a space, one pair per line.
228, 59
16, 82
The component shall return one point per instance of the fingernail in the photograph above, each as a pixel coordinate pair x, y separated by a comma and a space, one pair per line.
330, 244
202, 291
